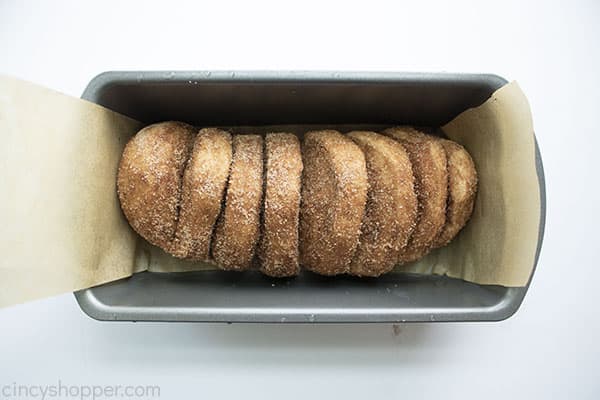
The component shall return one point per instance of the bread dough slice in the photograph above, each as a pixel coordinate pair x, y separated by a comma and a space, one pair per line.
278, 251
334, 194
462, 188
149, 179
237, 230
428, 160
391, 209
203, 188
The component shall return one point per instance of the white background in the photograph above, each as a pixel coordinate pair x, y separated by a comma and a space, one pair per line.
548, 349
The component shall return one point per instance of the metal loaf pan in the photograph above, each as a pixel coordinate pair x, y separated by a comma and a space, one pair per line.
259, 98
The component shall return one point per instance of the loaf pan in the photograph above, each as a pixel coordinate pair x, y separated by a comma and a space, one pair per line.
269, 98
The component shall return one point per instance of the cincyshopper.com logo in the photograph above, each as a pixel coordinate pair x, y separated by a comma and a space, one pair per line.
61, 390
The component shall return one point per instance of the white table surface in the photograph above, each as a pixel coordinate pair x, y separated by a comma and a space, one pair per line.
548, 349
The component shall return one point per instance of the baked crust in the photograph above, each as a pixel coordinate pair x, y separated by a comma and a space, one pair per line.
391, 209
462, 188
203, 189
358, 203
429, 163
334, 194
149, 179
278, 251
237, 230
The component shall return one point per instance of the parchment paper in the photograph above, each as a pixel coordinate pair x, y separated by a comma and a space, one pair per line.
63, 229
498, 244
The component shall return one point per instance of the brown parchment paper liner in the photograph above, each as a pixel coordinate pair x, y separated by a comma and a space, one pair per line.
63, 229
498, 244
